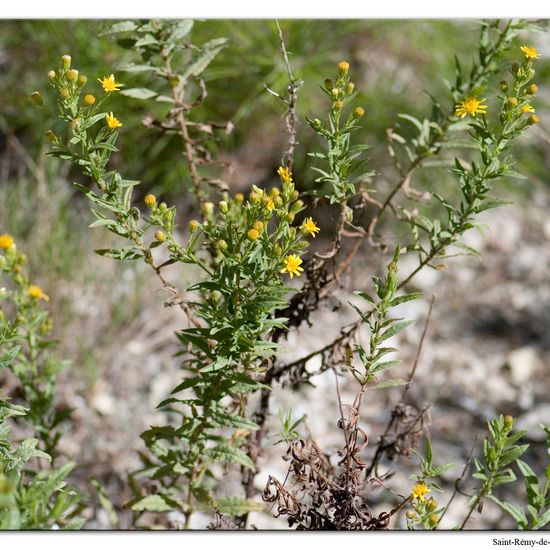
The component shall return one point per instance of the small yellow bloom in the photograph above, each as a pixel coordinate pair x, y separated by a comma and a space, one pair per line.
527, 109
150, 200
112, 122
110, 84
270, 205
37, 293
253, 234
309, 227
470, 106
418, 492
530, 53
285, 174
89, 99
533, 119
6, 241
343, 67
258, 225
358, 112
72, 75
292, 265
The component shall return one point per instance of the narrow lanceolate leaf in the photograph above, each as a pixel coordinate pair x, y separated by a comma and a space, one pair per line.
139, 93
238, 506
210, 51
393, 330
405, 298
152, 503
391, 383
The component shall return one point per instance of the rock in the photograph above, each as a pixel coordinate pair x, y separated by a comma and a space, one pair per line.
523, 363
531, 421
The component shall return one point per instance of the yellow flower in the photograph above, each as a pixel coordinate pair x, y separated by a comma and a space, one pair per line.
309, 227
110, 84
6, 241
419, 490
89, 99
343, 67
530, 53
270, 205
285, 174
470, 106
527, 109
253, 234
112, 122
37, 293
292, 265
150, 200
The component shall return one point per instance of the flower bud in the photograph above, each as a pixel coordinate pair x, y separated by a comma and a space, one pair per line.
64, 93
434, 520
328, 84
338, 105
72, 75
294, 195
514, 68
410, 514
160, 236
37, 98
290, 217
512, 101
316, 122
503, 85
253, 234
222, 205
343, 68
50, 136
358, 112
163, 207
51, 74
221, 244
431, 505
239, 198
335, 93
66, 62
532, 89
150, 201
350, 87
508, 421
533, 119
82, 79
89, 100
258, 225
193, 226
208, 208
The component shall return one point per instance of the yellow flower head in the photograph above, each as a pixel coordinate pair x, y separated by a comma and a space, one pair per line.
470, 106
253, 234
530, 53
110, 84
292, 265
37, 293
112, 122
6, 241
89, 100
309, 227
527, 109
418, 492
285, 174
270, 205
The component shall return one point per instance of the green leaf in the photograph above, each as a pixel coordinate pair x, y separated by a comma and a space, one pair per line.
152, 503
238, 506
92, 120
393, 330
210, 51
139, 93
120, 26
228, 453
391, 383
405, 298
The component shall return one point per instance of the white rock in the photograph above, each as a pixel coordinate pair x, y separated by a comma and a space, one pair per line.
523, 363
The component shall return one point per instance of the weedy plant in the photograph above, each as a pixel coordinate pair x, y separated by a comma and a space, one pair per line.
248, 249
33, 494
